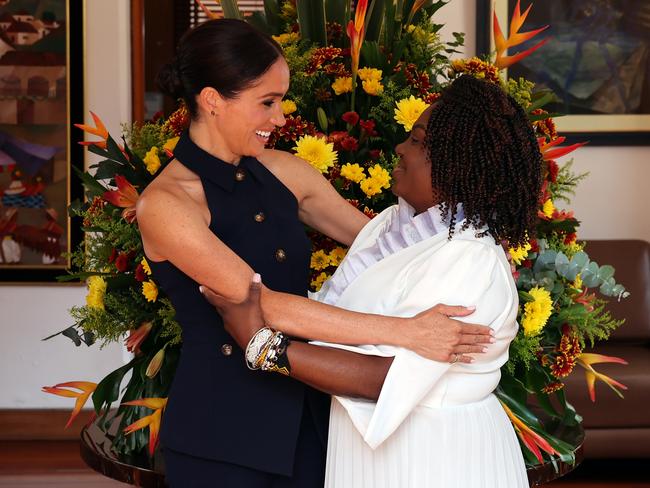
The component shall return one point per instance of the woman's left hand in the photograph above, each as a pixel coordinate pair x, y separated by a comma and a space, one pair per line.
240, 319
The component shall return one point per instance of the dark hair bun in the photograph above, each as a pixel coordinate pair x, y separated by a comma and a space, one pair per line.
228, 55
169, 82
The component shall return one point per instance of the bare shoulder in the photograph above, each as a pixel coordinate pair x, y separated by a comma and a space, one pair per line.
172, 202
296, 173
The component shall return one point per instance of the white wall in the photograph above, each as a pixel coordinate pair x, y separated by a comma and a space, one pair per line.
612, 203
29, 313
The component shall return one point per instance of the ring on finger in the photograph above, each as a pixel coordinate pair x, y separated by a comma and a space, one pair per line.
456, 358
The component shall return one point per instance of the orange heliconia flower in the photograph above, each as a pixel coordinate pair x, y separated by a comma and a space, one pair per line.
86, 388
546, 148
357, 32
586, 360
152, 421
515, 38
137, 337
126, 196
99, 130
531, 439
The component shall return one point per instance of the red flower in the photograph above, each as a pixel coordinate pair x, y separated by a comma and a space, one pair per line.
553, 387
374, 154
122, 262
140, 274
534, 247
124, 197
369, 212
527, 263
368, 126
349, 143
570, 238
137, 337
113, 255
553, 170
563, 366
351, 118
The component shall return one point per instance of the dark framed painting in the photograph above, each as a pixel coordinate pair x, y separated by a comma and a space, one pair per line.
597, 61
41, 96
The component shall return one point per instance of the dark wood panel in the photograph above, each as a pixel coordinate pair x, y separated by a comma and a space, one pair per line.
40, 424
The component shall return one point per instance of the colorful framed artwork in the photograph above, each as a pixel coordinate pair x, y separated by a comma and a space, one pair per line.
41, 95
597, 61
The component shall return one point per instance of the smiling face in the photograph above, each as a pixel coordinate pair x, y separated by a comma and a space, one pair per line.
244, 124
412, 174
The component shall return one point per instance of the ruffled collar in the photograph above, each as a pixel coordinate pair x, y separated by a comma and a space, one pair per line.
401, 231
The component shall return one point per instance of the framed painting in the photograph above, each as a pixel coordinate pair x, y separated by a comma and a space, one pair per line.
41, 95
597, 61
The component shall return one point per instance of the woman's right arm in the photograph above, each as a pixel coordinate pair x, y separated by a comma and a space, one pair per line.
173, 228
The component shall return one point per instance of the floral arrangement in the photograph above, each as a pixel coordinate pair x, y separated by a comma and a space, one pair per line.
360, 79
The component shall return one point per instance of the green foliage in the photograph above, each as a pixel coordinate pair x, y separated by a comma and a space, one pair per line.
142, 137
521, 90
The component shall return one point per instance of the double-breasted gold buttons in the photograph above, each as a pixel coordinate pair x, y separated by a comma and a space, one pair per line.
280, 255
226, 349
259, 217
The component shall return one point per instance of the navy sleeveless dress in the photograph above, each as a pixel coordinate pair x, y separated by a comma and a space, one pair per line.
224, 424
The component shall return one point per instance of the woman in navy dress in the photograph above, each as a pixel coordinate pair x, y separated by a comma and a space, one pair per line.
227, 206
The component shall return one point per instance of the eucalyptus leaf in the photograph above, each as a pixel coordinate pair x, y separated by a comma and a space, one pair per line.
72, 334
561, 263
606, 272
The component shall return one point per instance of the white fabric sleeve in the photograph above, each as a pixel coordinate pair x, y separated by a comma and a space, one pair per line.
461, 273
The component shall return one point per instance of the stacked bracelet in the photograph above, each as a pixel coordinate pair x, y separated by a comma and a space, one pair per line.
267, 350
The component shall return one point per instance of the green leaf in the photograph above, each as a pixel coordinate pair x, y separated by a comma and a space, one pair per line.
230, 9
338, 11
374, 23
311, 19
93, 187
108, 389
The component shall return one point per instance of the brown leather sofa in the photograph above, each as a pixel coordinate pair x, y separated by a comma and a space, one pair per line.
615, 427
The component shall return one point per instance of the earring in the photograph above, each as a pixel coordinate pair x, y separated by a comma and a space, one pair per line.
212, 113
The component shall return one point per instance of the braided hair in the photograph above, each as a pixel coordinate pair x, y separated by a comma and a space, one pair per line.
484, 156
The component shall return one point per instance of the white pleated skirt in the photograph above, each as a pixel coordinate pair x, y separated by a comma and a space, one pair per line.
465, 446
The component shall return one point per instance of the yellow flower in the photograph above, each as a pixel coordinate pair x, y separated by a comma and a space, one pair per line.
145, 266
336, 256
408, 110
170, 145
152, 160
537, 312
373, 87
288, 107
368, 74
548, 208
150, 291
577, 284
96, 292
519, 253
287, 38
342, 85
380, 175
317, 152
319, 260
574, 247
371, 187
420, 34
352, 172
317, 282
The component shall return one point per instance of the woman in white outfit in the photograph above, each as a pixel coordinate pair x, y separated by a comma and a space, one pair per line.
469, 176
